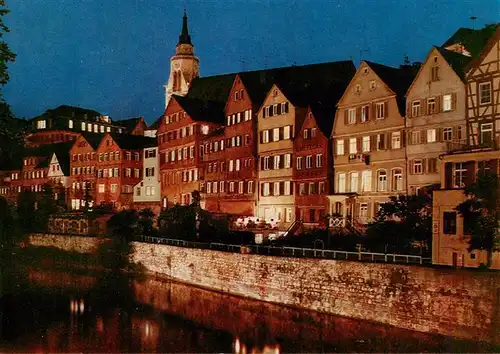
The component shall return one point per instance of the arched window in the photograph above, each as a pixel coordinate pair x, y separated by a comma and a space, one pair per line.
382, 180
397, 179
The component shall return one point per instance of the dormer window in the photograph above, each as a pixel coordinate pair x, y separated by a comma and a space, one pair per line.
204, 129
41, 124
70, 124
275, 93
236, 96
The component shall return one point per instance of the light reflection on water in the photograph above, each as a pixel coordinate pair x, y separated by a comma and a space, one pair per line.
57, 311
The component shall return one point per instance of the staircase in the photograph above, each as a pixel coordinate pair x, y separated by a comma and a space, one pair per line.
293, 228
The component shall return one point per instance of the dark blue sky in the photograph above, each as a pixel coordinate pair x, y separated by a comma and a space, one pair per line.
113, 55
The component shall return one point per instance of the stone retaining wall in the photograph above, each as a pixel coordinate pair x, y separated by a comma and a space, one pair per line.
80, 244
459, 303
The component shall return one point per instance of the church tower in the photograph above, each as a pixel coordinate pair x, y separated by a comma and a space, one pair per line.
184, 66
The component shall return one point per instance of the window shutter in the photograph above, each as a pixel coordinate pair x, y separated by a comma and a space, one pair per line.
410, 167
346, 117
271, 163
282, 188
424, 166
279, 108
439, 104
388, 141
423, 108
453, 101
403, 138
448, 175
359, 142
358, 114
286, 107
281, 129
493, 164
386, 109
408, 109
373, 143
373, 111
282, 161
261, 137
470, 173
423, 136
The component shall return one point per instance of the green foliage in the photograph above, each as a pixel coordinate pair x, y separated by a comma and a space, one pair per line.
401, 221
178, 222
9, 224
480, 212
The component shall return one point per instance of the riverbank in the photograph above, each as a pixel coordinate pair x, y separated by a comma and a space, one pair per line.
449, 302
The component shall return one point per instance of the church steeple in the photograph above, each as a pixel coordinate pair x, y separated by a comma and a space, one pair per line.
184, 37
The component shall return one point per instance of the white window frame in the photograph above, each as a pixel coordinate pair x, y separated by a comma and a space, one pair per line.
380, 110
431, 135
265, 136
446, 103
415, 108
431, 105
340, 147
276, 134
288, 161
416, 137
366, 144
396, 140
351, 116
353, 182
365, 113
286, 132
418, 167
480, 92
366, 181
276, 188
397, 179
447, 134
341, 182
41, 124
353, 145
319, 160
382, 182
277, 159
299, 162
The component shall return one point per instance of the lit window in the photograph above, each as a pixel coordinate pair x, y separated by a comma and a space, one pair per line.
276, 134
354, 182
351, 116
341, 182
446, 103
382, 181
340, 147
83, 125
240, 187
366, 181
288, 161
277, 162
265, 189
286, 132
431, 135
363, 210
265, 136
70, 124
353, 146
397, 179
415, 108
366, 144
485, 93
204, 129
459, 175
102, 188
41, 124
396, 140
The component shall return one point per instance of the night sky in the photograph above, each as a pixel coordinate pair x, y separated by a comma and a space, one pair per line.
113, 55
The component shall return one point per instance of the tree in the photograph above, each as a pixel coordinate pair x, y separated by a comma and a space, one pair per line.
480, 212
403, 220
6, 54
146, 220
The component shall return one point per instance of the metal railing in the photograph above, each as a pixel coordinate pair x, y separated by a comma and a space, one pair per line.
293, 251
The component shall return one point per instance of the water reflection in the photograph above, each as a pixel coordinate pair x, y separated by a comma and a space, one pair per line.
44, 311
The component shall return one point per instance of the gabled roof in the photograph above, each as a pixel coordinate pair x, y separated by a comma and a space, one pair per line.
473, 40
397, 79
64, 161
297, 78
133, 142
156, 123
94, 139
211, 88
457, 62
204, 111
129, 124
323, 109
68, 112
259, 82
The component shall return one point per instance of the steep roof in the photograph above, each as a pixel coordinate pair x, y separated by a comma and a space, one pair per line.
457, 61
64, 161
133, 142
324, 107
128, 124
473, 40
48, 149
94, 139
201, 110
211, 88
68, 111
397, 79
156, 123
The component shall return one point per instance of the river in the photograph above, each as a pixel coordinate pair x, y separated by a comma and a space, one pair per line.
49, 309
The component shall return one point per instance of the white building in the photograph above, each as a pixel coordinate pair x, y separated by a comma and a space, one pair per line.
147, 191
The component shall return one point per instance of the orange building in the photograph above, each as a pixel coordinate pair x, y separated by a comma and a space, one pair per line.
119, 168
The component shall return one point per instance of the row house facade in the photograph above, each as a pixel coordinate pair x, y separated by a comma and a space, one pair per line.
147, 193
83, 161
459, 169
313, 166
119, 163
180, 142
369, 141
435, 116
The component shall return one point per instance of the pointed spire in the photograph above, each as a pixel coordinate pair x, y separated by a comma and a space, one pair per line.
184, 37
